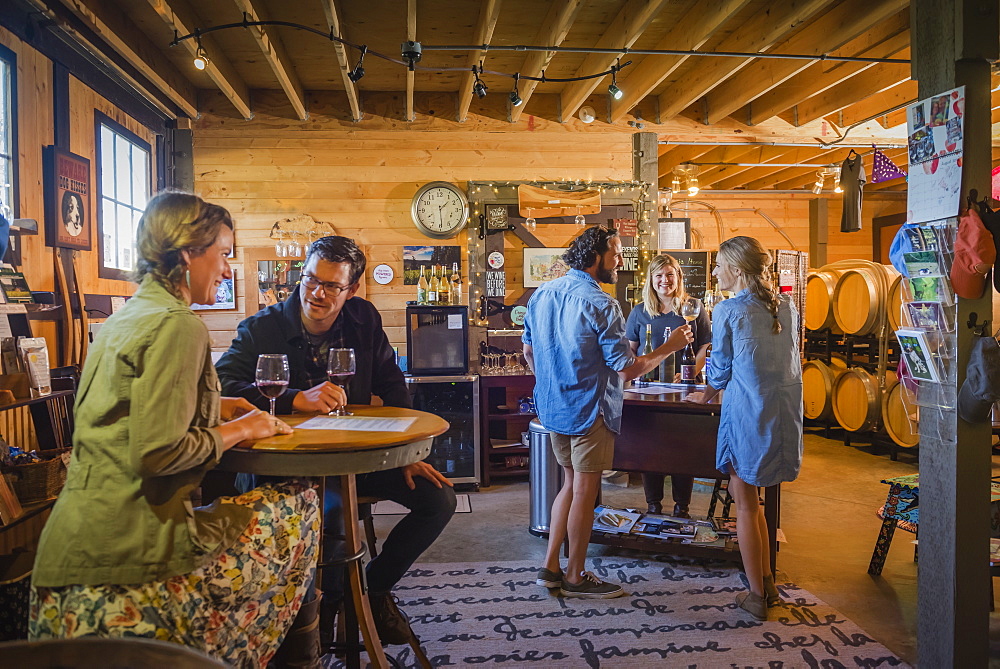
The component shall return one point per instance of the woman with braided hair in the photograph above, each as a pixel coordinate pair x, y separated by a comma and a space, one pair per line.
755, 358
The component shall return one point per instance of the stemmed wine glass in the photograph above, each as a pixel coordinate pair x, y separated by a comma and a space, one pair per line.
340, 368
689, 312
271, 377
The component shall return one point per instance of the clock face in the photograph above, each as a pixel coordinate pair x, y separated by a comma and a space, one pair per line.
440, 210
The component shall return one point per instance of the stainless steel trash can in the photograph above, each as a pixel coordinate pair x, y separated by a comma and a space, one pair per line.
544, 479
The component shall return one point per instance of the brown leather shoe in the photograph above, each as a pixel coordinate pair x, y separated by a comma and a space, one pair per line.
392, 625
681, 511
300, 648
654, 507
753, 604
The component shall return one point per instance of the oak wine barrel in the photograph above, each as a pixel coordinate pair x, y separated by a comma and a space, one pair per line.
856, 400
894, 301
817, 387
857, 300
895, 411
819, 299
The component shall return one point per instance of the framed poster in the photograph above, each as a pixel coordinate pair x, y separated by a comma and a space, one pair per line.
67, 199
428, 256
225, 296
541, 265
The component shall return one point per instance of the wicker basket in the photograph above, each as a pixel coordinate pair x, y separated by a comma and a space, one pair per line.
38, 481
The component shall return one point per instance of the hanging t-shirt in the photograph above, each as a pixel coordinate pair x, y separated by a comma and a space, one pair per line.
635, 329
852, 180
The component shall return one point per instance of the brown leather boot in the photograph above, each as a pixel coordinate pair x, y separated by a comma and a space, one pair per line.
300, 648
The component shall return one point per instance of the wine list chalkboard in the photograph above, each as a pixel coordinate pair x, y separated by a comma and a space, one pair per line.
697, 266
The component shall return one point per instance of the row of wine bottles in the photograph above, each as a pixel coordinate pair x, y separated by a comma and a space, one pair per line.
444, 291
664, 372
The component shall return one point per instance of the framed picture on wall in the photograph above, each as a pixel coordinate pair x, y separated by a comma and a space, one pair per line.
225, 296
67, 199
541, 265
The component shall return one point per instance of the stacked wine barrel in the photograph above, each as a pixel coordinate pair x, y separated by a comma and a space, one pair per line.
847, 302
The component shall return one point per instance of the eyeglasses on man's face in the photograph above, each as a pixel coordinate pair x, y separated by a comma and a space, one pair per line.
329, 287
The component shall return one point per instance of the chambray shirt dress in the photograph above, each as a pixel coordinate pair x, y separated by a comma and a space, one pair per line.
760, 431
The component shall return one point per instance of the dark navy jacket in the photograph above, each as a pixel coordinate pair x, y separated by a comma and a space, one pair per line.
278, 329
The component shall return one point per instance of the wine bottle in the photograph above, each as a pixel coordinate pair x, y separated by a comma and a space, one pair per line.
422, 287
444, 291
667, 365
456, 284
648, 350
435, 285
688, 365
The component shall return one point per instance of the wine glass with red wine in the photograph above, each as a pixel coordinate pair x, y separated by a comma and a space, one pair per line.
340, 368
272, 376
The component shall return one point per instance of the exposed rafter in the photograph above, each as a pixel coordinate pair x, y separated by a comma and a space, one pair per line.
274, 54
759, 33
624, 30
554, 29
411, 35
879, 102
125, 38
179, 16
489, 13
690, 32
736, 179
859, 87
350, 88
680, 154
827, 33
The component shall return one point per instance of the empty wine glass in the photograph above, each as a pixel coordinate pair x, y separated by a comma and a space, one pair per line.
530, 222
272, 376
340, 368
581, 220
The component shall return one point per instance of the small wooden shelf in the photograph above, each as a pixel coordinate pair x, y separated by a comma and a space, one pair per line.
497, 426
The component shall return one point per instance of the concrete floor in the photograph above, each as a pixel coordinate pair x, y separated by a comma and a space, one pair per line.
827, 515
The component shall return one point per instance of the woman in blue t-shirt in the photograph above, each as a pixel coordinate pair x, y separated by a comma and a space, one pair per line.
662, 296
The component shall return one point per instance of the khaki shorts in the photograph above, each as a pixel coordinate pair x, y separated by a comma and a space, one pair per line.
585, 453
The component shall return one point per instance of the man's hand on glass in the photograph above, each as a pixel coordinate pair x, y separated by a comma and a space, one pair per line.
325, 397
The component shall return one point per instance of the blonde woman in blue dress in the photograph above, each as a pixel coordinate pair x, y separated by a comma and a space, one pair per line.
755, 358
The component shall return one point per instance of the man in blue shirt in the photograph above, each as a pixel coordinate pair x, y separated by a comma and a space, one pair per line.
574, 341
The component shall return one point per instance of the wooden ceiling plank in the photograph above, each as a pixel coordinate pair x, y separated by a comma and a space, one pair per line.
276, 56
334, 22
875, 103
554, 29
863, 85
634, 17
710, 174
681, 154
827, 33
759, 33
179, 16
736, 177
817, 79
489, 13
697, 25
411, 35
114, 27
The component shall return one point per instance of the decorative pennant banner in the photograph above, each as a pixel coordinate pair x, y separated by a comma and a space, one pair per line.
883, 169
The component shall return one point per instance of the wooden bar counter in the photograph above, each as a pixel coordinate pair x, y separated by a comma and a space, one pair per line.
663, 434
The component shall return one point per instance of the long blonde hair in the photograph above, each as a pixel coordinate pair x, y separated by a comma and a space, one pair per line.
747, 254
650, 299
175, 221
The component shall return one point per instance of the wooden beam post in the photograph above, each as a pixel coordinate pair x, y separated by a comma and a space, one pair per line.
954, 42
333, 19
819, 230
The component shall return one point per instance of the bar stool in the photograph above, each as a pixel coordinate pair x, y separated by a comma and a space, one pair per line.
348, 643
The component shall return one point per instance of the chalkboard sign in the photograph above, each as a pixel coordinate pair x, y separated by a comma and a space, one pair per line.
697, 266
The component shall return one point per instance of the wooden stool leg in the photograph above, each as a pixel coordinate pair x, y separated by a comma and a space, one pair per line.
355, 575
418, 651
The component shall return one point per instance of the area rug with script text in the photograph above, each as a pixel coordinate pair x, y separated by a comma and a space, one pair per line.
676, 614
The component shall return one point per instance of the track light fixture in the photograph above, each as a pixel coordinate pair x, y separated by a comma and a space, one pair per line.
689, 173
359, 69
515, 99
613, 89
200, 57
479, 88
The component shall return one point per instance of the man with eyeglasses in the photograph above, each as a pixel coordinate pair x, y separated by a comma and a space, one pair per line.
323, 313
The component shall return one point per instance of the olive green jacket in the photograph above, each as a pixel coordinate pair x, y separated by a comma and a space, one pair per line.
147, 402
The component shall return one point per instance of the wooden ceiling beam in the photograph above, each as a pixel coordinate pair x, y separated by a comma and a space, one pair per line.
884, 41
489, 13
737, 176
763, 177
759, 33
874, 105
350, 88
179, 16
697, 25
119, 33
863, 85
411, 35
806, 180
633, 18
680, 154
555, 27
275, 55
753, 154
827, 33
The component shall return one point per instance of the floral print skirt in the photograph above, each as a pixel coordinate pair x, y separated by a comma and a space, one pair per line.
236, 608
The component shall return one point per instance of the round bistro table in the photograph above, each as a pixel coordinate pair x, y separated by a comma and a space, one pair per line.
342, 453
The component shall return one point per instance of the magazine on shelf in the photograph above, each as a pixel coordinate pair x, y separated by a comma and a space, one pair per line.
614, 521
660, 526
724, 526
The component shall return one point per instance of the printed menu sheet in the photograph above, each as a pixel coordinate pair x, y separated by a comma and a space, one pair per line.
358, 423
935, 128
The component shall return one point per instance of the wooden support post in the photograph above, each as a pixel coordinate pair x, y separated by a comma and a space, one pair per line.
953, 43
819, 230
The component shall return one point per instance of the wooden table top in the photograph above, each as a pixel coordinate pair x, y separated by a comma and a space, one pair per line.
309, 440
674, 400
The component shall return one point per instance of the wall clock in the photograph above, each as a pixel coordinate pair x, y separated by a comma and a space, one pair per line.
440, 209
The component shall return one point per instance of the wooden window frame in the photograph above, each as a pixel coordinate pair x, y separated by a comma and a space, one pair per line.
10, 58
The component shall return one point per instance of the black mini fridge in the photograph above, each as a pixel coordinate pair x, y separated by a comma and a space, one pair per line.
437, 340
456, 399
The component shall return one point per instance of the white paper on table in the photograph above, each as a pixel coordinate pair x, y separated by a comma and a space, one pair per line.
358, 423
5, 330
654, 390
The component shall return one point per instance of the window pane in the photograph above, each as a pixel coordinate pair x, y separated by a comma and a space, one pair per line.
140, 178
109, 225
123, 165
107, 166
6, 117
125, 238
